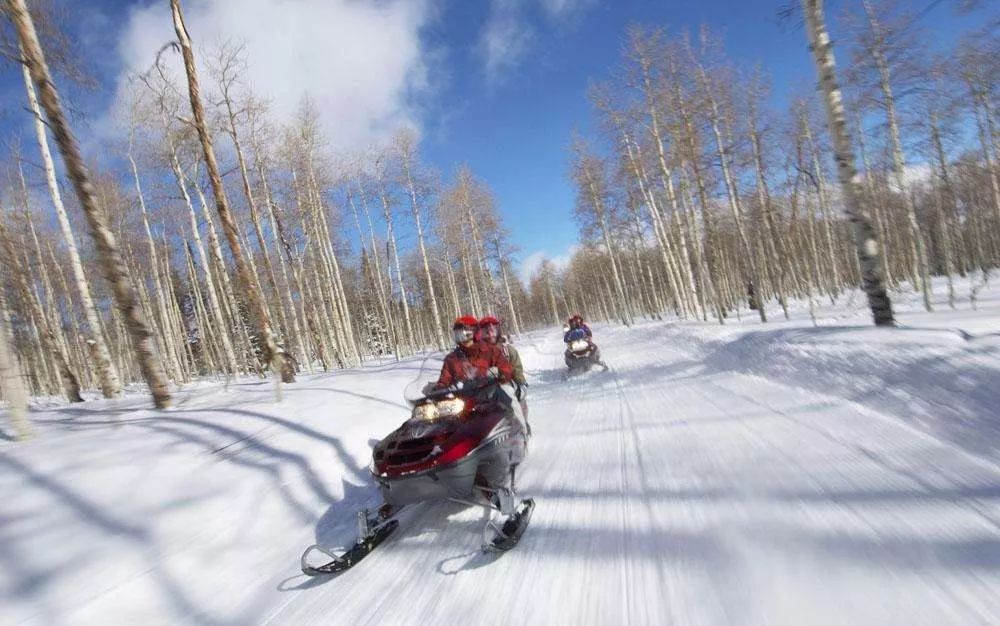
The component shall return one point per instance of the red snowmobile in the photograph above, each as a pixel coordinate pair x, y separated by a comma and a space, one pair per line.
463, 444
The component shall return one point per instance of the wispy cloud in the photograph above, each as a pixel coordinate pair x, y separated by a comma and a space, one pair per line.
533, 261
509, 34
505, 39
563, 8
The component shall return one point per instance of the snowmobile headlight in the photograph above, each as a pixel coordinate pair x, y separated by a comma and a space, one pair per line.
428, 411
578, 345
451, 407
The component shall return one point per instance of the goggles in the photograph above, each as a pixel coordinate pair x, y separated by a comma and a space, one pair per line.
462, 334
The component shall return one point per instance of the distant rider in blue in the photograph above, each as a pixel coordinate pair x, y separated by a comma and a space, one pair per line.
579, 330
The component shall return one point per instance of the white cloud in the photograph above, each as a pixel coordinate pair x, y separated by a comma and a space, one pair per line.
505, 39
914, 174
533, 261
561, 8
530, 265
363, 63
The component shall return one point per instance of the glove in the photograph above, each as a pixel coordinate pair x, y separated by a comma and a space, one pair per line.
493, 373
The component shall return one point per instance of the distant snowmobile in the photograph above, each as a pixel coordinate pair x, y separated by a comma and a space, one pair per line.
581, 352
463, 444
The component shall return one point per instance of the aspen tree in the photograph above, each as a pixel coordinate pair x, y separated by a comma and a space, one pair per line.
864, 232
107, 247
273, 356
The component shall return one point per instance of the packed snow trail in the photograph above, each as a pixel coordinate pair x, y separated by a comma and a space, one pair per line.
674, 488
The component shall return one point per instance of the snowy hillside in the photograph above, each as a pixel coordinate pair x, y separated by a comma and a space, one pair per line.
746, 474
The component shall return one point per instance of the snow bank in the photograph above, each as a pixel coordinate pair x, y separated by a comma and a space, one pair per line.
939, 371
935, 380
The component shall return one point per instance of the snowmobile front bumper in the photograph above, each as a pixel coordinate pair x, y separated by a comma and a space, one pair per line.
439, 483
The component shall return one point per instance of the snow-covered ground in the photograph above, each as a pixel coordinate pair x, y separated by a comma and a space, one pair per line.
746, 474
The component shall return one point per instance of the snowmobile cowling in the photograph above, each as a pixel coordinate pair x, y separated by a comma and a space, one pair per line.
463, 444
431, 459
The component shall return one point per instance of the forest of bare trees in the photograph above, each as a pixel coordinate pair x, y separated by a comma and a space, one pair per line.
216, 241
699, 195
227, 243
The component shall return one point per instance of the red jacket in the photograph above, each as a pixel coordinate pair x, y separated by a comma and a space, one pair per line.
467, 363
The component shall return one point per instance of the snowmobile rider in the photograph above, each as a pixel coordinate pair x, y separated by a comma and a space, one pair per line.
576, 323
576, 327
470, 359
490, 332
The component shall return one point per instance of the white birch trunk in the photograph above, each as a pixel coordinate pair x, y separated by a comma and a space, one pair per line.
272, 355
415, 210
11, 380
107, 247
918, 248
864, 232
106, 373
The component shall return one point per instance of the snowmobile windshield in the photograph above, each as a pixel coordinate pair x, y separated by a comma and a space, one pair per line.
426, 374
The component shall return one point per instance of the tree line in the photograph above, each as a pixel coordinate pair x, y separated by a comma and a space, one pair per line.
216, 241
699, 195
227, 243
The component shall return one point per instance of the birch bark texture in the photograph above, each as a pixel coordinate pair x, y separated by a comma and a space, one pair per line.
865, 236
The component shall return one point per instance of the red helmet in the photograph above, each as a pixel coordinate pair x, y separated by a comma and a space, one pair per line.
465, 321
489, 320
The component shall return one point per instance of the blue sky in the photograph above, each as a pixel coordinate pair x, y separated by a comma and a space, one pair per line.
497, 84
514, 129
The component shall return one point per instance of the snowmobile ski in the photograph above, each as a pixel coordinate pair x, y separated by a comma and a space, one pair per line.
510, 533
361, 549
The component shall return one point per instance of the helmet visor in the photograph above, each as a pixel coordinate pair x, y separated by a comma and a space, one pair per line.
489, 332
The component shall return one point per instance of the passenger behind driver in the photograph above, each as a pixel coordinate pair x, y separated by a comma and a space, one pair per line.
473, 359
490, 332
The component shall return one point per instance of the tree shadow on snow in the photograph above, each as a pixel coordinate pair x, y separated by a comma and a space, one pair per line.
336, 529
252, 448
137, 536
547, 377
904, 553
397, 405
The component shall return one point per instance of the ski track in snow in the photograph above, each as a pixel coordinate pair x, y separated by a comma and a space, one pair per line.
711, 476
